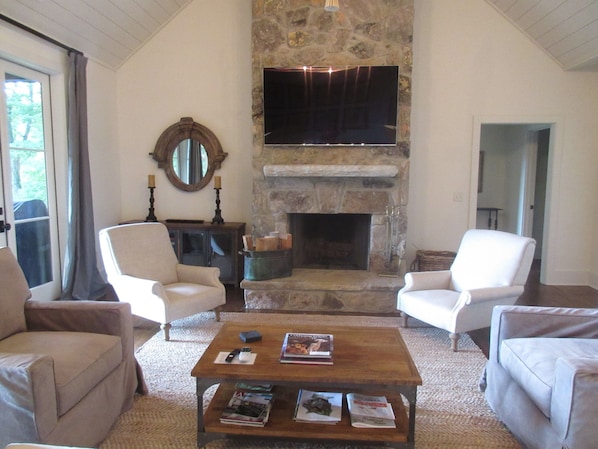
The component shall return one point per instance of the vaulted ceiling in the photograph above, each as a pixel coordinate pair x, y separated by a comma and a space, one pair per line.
565, 29
110, 31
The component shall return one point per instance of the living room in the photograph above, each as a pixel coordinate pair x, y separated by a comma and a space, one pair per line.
470, 67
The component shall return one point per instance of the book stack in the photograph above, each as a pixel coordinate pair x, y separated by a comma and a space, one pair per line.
248, 408
370, 411
318, 407
315, 349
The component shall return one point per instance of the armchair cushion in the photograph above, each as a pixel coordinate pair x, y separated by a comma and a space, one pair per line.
128, 251
12, 297
491, 262
435, 305
80, 360
532, 362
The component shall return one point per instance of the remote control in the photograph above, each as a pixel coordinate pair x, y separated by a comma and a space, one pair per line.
230, 357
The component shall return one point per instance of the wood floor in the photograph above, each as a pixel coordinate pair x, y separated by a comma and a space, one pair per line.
535, 294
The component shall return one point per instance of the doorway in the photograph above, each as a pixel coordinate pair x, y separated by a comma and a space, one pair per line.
28, 217
511, 192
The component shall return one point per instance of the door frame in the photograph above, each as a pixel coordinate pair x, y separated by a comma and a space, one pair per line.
24, 49
555, 123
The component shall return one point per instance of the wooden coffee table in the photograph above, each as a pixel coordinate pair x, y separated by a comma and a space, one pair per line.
369, 360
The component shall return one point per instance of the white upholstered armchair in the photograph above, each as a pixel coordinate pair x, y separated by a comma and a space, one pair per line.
491, 268
142, 267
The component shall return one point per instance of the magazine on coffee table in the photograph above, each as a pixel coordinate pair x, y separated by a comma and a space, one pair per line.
324, 407
305, 348
248, 409
370, 411
303, 345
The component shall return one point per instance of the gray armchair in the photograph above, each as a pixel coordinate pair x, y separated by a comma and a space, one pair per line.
541, 378
67, 368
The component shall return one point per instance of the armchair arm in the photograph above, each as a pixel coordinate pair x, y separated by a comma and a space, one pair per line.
137, 286
574, 406
427, 280
531, 321
28, 396
209, 276
112, 318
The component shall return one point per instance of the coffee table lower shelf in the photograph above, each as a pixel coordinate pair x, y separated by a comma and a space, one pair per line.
282, 426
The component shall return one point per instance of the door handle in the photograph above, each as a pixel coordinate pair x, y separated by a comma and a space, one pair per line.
4, 226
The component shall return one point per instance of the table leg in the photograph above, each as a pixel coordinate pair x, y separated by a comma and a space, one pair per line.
201, 386
410, 393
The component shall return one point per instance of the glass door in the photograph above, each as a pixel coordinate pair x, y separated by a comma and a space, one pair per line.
27, 184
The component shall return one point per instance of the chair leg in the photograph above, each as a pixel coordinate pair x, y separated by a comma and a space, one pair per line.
405, 319
454, 341
166, 328
217, 312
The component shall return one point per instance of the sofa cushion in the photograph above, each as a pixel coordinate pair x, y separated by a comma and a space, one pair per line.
531, 363
81, 359
13, 294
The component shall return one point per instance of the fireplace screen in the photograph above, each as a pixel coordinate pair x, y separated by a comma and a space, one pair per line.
330, 241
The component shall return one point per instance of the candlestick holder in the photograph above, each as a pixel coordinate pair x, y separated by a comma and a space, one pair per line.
218, 216
151, 216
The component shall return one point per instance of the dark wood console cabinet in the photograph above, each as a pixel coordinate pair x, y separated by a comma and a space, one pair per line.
210, 245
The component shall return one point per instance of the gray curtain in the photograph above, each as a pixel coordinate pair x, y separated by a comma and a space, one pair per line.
81, 279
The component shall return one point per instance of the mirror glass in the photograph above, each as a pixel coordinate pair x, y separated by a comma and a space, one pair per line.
189, 153
190, 161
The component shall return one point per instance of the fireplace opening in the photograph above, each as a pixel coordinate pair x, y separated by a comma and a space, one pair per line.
330, 241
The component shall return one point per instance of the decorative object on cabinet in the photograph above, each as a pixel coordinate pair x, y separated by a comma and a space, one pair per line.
151, 185
142, 268
218, 213
189, 153
212, 245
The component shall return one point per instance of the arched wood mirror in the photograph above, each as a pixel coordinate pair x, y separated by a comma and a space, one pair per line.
189, 153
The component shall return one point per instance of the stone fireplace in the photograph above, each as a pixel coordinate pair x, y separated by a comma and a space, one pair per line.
366, 180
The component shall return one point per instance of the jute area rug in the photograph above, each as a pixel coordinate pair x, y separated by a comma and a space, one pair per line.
451, 411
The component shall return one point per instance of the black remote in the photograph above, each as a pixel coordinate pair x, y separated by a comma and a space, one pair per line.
232, 355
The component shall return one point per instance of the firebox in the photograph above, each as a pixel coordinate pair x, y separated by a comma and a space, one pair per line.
330, 241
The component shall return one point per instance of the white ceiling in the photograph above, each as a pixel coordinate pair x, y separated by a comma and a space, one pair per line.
566, 29
110, 31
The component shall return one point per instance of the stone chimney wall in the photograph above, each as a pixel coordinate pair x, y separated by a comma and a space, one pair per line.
295, 33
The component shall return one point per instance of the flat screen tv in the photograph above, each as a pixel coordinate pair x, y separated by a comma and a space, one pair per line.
330, 106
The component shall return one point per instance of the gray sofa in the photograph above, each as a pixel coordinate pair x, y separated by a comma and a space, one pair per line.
541, 378
67, 368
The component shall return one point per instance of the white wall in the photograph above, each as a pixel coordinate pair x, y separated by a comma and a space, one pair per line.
469, 62
104, 149
198, 65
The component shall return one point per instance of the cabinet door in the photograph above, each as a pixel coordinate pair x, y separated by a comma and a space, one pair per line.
222, 254
193, 247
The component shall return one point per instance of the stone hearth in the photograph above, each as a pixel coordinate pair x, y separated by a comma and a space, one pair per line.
308, 290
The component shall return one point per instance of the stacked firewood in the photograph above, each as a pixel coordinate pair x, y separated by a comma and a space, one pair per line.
274, 241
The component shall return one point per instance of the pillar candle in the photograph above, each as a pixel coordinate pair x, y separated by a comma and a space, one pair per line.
217, 182
151, 180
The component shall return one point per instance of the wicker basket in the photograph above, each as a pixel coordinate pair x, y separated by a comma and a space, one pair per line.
433, 260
